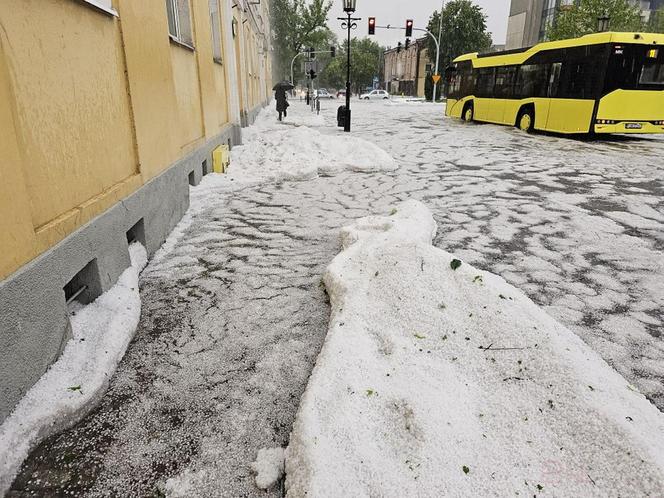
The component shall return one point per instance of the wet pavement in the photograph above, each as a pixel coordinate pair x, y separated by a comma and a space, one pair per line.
234, 316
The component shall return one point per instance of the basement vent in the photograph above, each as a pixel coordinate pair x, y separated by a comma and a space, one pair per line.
192, 179
85, 287
136, 233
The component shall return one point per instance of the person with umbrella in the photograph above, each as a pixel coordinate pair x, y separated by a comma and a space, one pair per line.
280, 90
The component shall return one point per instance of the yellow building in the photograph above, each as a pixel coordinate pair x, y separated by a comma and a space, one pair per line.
109, 110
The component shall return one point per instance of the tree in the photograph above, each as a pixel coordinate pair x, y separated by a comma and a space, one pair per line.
298, 24
656, 22
582, 19
365, 64
464, 31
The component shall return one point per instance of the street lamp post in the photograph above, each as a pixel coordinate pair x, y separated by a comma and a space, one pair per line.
349, 24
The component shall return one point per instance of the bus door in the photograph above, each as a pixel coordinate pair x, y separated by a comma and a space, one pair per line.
503, 94
558, 112
484, 93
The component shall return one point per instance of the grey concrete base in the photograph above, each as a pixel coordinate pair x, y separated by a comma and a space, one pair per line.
253, 114
247, 118
34, 321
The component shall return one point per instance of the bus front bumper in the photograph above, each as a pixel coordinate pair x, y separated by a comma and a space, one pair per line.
629, 127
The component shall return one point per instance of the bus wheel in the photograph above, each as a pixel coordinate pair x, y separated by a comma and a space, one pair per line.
468, 113
526, 120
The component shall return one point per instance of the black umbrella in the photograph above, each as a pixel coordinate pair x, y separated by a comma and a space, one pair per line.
284, 85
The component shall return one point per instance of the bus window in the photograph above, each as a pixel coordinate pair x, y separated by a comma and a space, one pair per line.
467, 82
485, 82
554, 80
505, 82
653, 69
531, 81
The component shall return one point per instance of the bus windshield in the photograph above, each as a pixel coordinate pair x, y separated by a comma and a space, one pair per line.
635, 67
652, 73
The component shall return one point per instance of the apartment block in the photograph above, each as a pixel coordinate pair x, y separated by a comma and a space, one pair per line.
405, 70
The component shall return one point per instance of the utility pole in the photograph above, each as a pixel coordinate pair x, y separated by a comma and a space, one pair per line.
440, 31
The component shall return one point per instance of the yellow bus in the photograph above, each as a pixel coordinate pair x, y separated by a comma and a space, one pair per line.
599, 83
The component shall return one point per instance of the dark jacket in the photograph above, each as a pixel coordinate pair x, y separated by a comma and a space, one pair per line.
282, 101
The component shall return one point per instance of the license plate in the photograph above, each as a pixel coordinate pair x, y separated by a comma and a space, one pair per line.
633, 126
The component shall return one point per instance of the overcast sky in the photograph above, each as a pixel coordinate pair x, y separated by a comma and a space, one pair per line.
395, 12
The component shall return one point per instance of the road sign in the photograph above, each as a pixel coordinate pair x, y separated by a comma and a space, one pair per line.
436, 78
309, 65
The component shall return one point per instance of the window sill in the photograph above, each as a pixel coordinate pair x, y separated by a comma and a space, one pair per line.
99, 7
182, 44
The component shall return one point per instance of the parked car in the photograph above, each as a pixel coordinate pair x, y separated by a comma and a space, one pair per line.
322, 93
375, 94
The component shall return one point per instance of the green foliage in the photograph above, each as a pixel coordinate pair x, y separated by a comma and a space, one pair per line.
455, 264
298, 24
656, 22
464, 31
582, 19
366, 63
465, 469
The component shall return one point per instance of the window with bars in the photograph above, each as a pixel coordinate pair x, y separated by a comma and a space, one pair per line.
179, 21
215, 26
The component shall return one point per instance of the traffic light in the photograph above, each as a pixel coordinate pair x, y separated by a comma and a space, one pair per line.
333, 51
372, 25
407, 43
312, 74
398, 47
409, 28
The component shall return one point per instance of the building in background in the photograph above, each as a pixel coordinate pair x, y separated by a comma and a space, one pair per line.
405, 70
529, 19
109, 110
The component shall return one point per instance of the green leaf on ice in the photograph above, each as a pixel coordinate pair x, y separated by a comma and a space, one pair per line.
74, 388
455, 264
418, 336
370, 392
465, 469
393, 212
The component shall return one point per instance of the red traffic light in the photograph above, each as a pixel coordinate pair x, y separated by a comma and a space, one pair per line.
409, 28
372, 25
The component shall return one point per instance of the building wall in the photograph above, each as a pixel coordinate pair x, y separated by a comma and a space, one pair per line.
404, 71
424, 68
98, 109
524, 23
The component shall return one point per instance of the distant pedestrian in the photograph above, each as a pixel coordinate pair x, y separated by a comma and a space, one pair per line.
282, 102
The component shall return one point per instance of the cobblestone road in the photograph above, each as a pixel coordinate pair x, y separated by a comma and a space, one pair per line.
234, 316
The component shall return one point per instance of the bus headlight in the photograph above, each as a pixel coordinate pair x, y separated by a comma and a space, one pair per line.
606, 121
